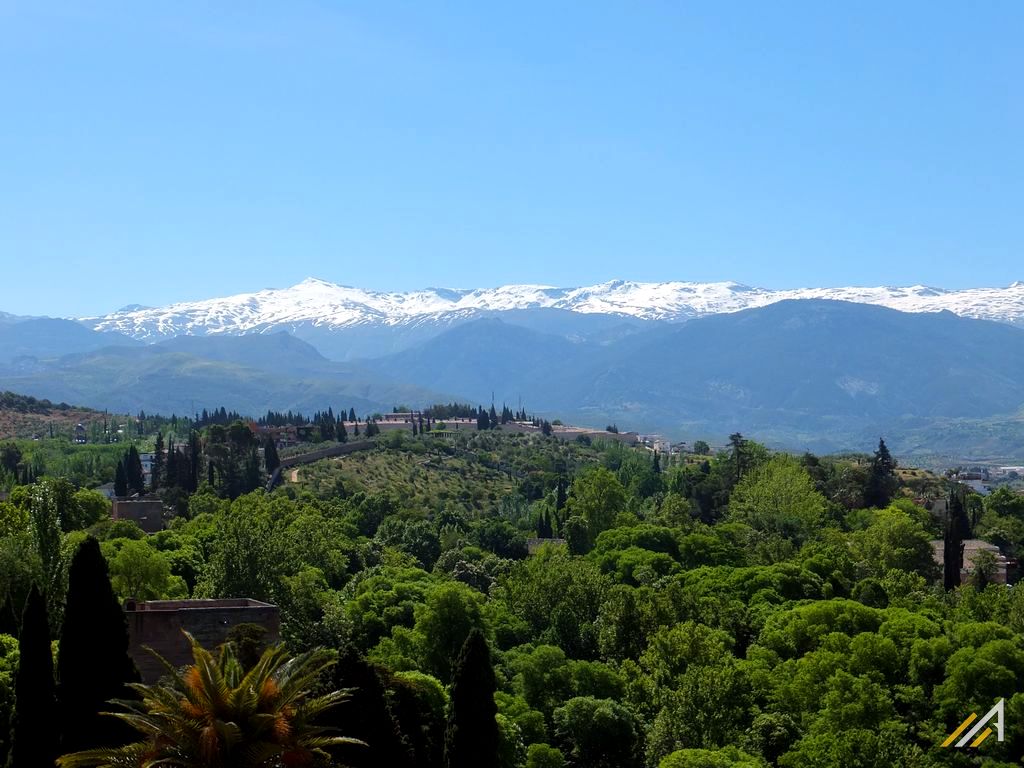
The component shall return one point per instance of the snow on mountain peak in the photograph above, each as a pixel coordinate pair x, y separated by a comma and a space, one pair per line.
321, 303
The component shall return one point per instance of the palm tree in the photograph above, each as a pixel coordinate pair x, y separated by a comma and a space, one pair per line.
213, 714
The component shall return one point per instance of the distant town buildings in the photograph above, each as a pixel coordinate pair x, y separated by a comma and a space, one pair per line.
1005, 568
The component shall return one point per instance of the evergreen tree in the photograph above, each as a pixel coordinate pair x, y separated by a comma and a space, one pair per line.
471, 738
367, 716
738, 457
172, 469
120, 481
544, 530
956, 530
656, 464
93, 665
414, 431
35, 704
352, 415
270, 457
492, 417
355, 429
133, 471
158, 462
881, 483
342, 433
560, 494
194, 461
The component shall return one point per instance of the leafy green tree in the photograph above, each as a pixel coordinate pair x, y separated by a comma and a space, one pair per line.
894, 540
598, 497
246, 558
544, 756
701, 448
559, 597
779, 498
138, 571
728, 757
598, 733
214, 713
450, 614
87, 508
472, 738
50, 502
13, 519
35, 711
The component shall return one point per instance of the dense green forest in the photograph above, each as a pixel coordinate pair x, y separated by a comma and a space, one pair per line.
743, 609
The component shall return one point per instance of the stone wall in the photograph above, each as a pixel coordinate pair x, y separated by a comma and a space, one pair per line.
159, 624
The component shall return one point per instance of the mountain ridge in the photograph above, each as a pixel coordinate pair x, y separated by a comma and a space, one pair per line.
322, 305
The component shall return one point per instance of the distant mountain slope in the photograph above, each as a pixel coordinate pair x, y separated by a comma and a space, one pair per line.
797, 373
26, 416
49, 337
250, 375
816, 368
314, 307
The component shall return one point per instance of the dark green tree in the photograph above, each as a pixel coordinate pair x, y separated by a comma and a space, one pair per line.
956, 530
195, 457
172, 469
35, 708
352, 415
120, 481
93, 664
270, 457
158, 462
881, 483
10, 457
738, 455
366, 715
341, 432
133, 471
471, 739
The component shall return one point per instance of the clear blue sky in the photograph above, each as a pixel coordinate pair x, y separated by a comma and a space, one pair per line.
152, 152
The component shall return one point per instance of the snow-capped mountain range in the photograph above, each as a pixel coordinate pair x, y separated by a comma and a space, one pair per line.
327, 306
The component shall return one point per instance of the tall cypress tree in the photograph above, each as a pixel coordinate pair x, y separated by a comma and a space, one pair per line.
471, 739
35, 702
367, 716
172, 470
93, 665
133, 471
120, 481
957, 528
158, 462
194, 459
270, 457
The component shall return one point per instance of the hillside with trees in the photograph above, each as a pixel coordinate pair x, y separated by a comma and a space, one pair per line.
516, 600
